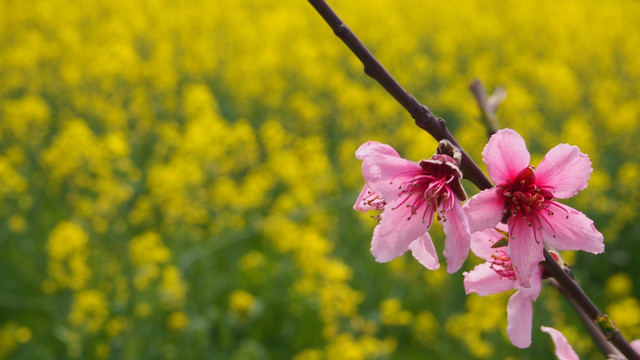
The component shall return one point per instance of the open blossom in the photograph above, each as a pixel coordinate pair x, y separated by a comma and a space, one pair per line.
525, 200
564, 351
409, 195
496, 275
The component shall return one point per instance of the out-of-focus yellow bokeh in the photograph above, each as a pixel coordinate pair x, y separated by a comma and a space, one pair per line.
177, 177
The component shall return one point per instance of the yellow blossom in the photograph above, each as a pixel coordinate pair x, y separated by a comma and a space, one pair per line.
177, 321
68, 256
242, 302
89, 311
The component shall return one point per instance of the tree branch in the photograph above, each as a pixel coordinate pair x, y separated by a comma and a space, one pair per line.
422, 115
573, 291
598, 337
488, 105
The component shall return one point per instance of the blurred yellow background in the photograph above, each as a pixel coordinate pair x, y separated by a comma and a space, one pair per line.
177, 177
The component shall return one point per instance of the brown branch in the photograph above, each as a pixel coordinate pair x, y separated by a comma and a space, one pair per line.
574, 293
598, 337
488, 105
422, 115
437, 128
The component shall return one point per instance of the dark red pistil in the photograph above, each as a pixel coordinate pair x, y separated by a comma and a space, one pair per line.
523, 197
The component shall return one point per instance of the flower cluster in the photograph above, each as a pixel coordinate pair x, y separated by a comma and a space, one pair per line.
508, 225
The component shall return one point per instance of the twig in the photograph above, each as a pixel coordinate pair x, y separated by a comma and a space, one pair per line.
575, 293
598, 337
437, 128
488, 105
422, 115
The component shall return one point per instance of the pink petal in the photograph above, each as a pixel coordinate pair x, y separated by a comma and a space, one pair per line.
391, 238
635, 344
483, 280
373, 147
525, 251
535, 282
482, 241
506, 155
564, 351
484, 210
519, 319
569, 229
385, 173
423, 250
565, 170
457, 241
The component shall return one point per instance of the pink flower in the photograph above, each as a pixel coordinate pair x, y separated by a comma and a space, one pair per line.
496, 275
564, 351
525, 200
409, 195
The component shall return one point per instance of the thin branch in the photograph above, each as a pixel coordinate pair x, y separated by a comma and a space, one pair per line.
488, 105
437, 128
598, 337
422, 115
573, 291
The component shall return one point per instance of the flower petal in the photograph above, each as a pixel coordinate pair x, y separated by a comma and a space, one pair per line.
564, 171
397, 229
519, 319
635, 344
482, 241
506, 155
535, 282
374, 147
384, 173
564, 351
525, 251
457, 241
483, 280
485, 209
569, 229
423, 250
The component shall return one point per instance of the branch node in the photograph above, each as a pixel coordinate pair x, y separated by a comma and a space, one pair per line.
607, 326
340, 29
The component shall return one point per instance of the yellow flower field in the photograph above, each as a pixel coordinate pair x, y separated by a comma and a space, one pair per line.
178, 177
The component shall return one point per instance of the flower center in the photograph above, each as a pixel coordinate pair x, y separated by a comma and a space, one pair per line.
434, 186
501, 264
526, 201
523, 197
425, 192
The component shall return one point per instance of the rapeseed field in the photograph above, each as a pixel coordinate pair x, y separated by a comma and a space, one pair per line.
177, 178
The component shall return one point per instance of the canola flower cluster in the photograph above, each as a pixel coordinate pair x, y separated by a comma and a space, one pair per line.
177, 177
